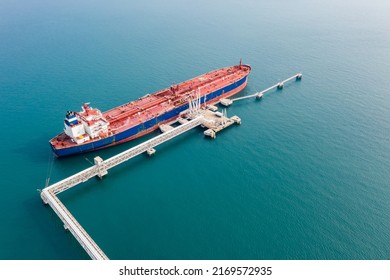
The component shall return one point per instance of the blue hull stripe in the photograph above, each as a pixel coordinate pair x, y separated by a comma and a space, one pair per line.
141, 127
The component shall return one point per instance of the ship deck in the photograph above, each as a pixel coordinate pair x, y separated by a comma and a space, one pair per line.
153, 105
150, 106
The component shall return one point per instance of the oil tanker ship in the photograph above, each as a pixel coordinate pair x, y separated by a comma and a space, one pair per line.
90, 129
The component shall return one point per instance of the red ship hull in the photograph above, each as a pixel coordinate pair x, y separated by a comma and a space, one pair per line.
142, 116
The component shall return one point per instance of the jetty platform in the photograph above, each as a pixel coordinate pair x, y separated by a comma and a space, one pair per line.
227, 102
101, 167
196, 116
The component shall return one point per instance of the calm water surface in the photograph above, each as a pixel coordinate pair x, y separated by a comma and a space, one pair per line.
306, 175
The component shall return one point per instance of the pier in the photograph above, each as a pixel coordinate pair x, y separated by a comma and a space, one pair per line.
71, 224
260, 94
101, 167
217, 121
49, 194
207, 117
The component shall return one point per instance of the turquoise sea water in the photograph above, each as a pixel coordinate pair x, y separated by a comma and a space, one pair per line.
306, 175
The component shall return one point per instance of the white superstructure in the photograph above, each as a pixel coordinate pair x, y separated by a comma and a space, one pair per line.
85, 125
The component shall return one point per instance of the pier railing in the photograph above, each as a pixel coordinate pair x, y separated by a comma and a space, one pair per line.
279, 85
49, 194
126, 155
101, 167
73, 226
